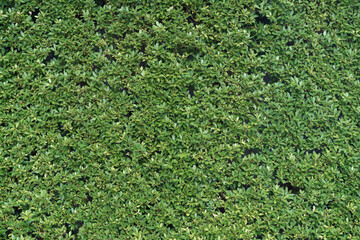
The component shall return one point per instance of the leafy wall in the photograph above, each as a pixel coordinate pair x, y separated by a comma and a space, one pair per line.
179, 119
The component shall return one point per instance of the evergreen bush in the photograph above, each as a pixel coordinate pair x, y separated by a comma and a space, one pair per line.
179, 119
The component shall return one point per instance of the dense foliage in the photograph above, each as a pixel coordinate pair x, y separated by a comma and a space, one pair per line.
179, 119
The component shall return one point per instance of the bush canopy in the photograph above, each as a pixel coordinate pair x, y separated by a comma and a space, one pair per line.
179, 119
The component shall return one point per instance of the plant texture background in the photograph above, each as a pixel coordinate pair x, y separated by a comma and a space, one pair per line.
181, 119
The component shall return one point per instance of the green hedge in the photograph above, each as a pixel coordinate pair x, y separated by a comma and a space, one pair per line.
179, 119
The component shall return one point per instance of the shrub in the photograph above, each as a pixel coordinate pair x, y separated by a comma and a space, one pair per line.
179, 119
